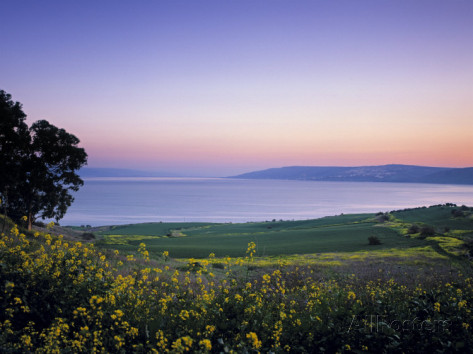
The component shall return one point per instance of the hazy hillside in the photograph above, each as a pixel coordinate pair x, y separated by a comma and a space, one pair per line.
385, 173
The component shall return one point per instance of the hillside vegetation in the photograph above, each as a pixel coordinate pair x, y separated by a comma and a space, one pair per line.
342, 233
66, 296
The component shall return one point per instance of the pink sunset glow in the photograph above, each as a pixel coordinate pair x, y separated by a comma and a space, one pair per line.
228, 87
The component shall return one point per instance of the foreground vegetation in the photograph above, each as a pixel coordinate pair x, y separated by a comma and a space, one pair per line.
65, 296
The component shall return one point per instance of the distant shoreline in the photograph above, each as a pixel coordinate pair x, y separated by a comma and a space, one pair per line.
384, 173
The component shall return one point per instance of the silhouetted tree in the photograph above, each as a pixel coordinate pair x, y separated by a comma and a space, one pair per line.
14, 137
40, 172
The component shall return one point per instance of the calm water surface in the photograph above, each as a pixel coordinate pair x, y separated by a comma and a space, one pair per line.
106, 201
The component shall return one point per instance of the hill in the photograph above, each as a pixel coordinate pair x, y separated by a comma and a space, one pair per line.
385, 173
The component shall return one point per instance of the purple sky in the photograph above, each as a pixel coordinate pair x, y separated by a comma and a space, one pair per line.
225, 87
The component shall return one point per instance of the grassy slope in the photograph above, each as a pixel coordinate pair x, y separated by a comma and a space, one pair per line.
437, 216
343, 233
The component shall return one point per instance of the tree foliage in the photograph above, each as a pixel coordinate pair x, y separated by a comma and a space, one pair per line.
374, 240
37, 165
14, 136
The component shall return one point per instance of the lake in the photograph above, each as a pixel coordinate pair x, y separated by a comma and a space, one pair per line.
108, 201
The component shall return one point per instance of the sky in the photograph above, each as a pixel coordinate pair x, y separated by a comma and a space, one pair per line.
217, 88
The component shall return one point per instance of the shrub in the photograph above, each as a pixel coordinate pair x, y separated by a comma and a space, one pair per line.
218, 265
88, 236
413, 229
374, 240
382, 217
426, 231
469, 246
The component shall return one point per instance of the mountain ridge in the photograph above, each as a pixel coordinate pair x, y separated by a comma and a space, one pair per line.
382, 173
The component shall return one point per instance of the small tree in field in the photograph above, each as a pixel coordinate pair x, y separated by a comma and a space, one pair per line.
426, 231
41, 172
374, 240
413, 229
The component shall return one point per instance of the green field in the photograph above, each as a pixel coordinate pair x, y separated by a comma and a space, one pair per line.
343, 233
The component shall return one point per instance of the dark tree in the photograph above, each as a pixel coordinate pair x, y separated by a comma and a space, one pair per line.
413, 229
426, 231
14, 137
374, 240
45, 168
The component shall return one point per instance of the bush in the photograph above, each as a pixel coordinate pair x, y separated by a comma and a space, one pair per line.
457, 213
382, 217
469, 248
413, 229
426, 231
374, 240
218, 265
88, 236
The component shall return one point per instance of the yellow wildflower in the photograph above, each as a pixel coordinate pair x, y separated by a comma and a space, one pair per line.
206, 344
184, 315
254, 340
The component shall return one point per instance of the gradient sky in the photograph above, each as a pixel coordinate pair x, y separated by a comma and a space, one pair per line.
224, 87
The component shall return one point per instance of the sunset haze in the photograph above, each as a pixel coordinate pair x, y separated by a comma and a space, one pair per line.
217, 88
